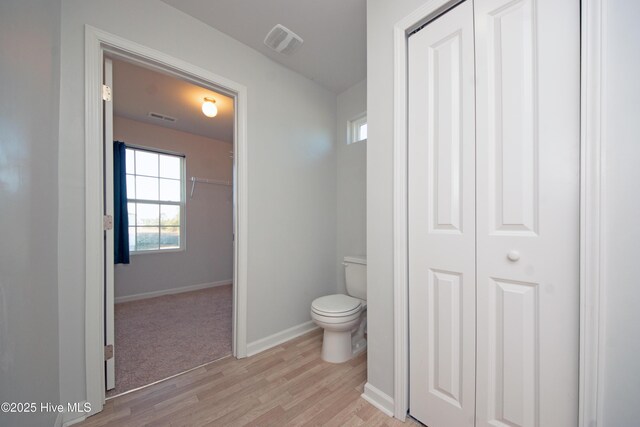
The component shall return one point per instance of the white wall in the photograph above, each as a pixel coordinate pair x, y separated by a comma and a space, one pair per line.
29, 103
382, 15
351, 180
292, 169
621, 142
208, 254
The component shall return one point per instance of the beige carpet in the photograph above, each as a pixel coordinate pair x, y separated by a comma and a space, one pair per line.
163, 336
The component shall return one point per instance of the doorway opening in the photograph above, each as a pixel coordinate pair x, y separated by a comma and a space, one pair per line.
98, 46
169, 285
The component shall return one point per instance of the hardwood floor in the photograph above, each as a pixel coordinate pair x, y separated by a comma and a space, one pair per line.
288, 385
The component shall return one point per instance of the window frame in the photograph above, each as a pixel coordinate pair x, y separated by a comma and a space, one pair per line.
182, 203
354, 128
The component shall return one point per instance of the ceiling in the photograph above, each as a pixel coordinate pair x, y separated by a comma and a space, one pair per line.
334, 33
138, 91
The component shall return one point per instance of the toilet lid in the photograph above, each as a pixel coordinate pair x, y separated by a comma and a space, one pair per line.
336, 305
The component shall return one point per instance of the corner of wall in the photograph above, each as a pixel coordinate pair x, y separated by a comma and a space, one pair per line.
377, 398
351, 181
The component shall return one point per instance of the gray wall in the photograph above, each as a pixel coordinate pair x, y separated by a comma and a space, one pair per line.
621, 142
208, 254
352, 180
292, 169
29, 102
382, 15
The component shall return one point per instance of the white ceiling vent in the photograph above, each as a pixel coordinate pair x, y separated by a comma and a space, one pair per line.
162, 117
283, 40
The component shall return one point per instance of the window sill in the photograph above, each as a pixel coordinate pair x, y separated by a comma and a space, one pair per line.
163, 251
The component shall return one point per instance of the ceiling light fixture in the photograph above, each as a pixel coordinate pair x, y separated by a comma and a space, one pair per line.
209, 108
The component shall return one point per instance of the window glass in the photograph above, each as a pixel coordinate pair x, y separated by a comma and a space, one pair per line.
362, 132
131, 186
146, 188
147, 238
131, 161
155, 192
132, 239
358, 129
169, 167
146, 163
169, 237
131, 210
170, 215
147, 214
170, 190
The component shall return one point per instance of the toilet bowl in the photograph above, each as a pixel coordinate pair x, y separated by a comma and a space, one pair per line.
343, 317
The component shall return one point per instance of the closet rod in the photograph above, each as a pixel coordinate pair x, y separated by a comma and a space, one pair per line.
207, 181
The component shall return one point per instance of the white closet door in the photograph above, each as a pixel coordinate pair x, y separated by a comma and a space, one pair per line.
528, 112
442, 221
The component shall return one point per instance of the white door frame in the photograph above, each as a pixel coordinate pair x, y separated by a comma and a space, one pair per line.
96, 43
591, 233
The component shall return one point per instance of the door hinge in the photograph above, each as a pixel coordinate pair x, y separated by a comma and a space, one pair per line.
107, 222
106, 93
108, 352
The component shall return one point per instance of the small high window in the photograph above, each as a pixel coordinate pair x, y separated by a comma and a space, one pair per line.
155, 196
358, 129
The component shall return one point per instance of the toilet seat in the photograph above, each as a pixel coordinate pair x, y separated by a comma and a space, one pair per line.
336, 321
338, 305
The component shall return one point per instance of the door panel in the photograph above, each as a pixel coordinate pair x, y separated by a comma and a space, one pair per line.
511, 119
527, 93
442, 220
513, 342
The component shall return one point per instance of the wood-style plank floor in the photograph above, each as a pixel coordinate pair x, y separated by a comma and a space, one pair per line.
288, 385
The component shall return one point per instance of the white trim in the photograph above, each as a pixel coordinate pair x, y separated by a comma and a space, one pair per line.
400, 226
280, 337
94, 268
591, 213
71, 418
172, 291
133, 390
58, 421
380, 400
73, 421
96, 41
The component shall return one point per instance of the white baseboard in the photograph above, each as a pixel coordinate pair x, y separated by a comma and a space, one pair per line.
172, 291
78, 419
70, 418
280, 337
380, 400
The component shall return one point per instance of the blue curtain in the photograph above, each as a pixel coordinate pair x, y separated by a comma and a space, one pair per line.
120, 214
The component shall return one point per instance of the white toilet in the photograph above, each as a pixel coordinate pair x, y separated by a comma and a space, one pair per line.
344, 317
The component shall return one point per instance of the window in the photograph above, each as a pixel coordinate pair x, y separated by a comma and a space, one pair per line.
155, 195
358, 129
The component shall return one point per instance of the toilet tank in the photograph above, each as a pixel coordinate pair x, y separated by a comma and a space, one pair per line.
355, 273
